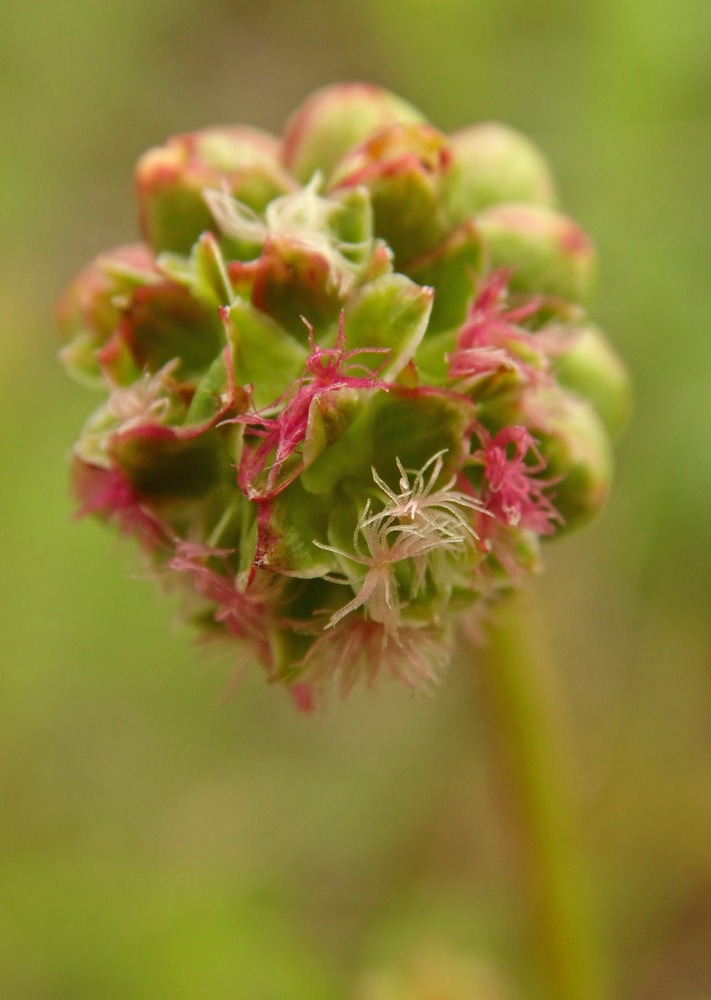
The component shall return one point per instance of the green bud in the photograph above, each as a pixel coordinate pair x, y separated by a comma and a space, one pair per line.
547, 252
573, 440
335, 119
496, 164
90, 309
171, 181
592, 368
405, 170
450, 270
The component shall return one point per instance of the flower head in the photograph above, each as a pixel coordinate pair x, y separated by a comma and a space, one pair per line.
348, 385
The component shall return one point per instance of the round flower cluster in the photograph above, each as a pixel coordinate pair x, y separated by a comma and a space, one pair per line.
350, 382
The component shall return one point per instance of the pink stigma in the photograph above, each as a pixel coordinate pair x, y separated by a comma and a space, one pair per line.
511, 491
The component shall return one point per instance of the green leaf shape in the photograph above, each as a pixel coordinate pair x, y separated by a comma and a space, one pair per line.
391, 312
409, 424
79, 360
379, 263
213, 394
330, 413
209, 393
407, 212
259, 185
165, 322
404, 168
173, 211
162, 464
547, 253
264, 354
174, 218
451, 269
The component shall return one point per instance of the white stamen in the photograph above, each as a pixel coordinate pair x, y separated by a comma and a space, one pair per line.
302, 218
414, 525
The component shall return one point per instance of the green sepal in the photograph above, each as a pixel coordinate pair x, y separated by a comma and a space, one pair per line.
177, 219
79, 359
216, 394
290, 282
409, 424
406, 209
380, 262
330, 413
391, 312
161, 463
117, 360
289, 524
204, 272
165, 322
403, 168
264, 355
89, 311
432, 356
330, 416
451, 269
353, 224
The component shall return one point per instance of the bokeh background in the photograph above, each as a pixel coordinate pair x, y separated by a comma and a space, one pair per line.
159, 841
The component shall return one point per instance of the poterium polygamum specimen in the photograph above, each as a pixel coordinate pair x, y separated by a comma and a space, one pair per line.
350, 382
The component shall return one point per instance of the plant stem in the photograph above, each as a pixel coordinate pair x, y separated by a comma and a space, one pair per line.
563, 936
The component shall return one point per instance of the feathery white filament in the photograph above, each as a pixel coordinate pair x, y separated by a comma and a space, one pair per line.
412, 525
302, 218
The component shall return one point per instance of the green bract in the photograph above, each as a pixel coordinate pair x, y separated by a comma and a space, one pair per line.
350, 382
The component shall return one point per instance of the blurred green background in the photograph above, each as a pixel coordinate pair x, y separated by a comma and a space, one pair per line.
159, 841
